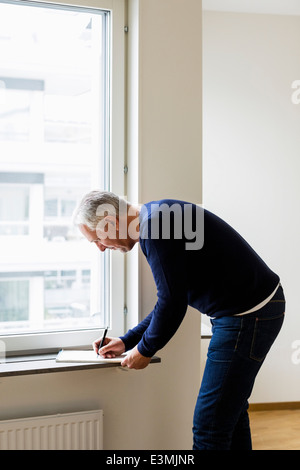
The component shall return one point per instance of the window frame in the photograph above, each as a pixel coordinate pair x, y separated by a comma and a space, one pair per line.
49, 341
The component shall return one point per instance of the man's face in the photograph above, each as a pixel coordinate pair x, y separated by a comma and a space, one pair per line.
106, 238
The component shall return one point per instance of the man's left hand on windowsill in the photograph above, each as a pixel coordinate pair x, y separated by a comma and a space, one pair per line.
135, 360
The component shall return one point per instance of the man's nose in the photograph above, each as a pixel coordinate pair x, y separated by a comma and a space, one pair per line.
100, 246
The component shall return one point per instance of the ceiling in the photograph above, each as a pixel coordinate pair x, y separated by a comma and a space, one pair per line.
275, 7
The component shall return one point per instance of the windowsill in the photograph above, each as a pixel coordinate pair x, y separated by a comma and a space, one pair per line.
46, 363
206, 332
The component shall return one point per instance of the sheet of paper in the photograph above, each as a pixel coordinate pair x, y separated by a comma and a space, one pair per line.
67, 355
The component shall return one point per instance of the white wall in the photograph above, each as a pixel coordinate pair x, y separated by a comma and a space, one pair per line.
170, 93
251, 163
152, 408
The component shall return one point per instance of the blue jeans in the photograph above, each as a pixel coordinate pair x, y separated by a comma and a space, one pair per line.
236, 352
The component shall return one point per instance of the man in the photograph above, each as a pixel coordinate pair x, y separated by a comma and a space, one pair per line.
196, 259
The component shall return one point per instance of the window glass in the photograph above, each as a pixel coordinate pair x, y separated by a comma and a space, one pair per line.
14, 301
54, 96
14, 209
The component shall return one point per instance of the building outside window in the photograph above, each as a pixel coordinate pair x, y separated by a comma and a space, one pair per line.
55, 118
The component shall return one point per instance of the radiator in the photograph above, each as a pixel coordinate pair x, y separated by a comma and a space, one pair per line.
69, 431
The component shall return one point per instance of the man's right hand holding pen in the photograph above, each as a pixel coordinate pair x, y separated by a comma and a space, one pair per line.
112, 347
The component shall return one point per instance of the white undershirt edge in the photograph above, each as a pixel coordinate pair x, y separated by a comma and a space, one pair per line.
260, 305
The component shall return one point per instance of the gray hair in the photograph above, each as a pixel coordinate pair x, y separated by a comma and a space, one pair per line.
95, 206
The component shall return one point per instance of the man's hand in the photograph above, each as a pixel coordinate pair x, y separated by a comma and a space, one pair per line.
135, 360
112, 347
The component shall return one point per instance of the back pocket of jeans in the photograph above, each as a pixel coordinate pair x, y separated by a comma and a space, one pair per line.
264, 335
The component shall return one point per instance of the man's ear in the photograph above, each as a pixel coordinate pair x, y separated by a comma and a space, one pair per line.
112, 221
108, 227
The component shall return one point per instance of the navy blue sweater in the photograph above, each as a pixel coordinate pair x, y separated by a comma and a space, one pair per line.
220, 277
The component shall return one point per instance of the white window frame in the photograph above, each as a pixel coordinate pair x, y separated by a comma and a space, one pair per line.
49, 341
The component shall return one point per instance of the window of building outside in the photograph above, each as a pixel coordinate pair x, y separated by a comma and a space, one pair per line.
54, 148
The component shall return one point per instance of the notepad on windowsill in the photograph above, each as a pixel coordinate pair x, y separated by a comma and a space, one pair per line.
68, 355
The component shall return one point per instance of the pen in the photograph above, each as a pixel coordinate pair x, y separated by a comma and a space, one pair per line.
103, 338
